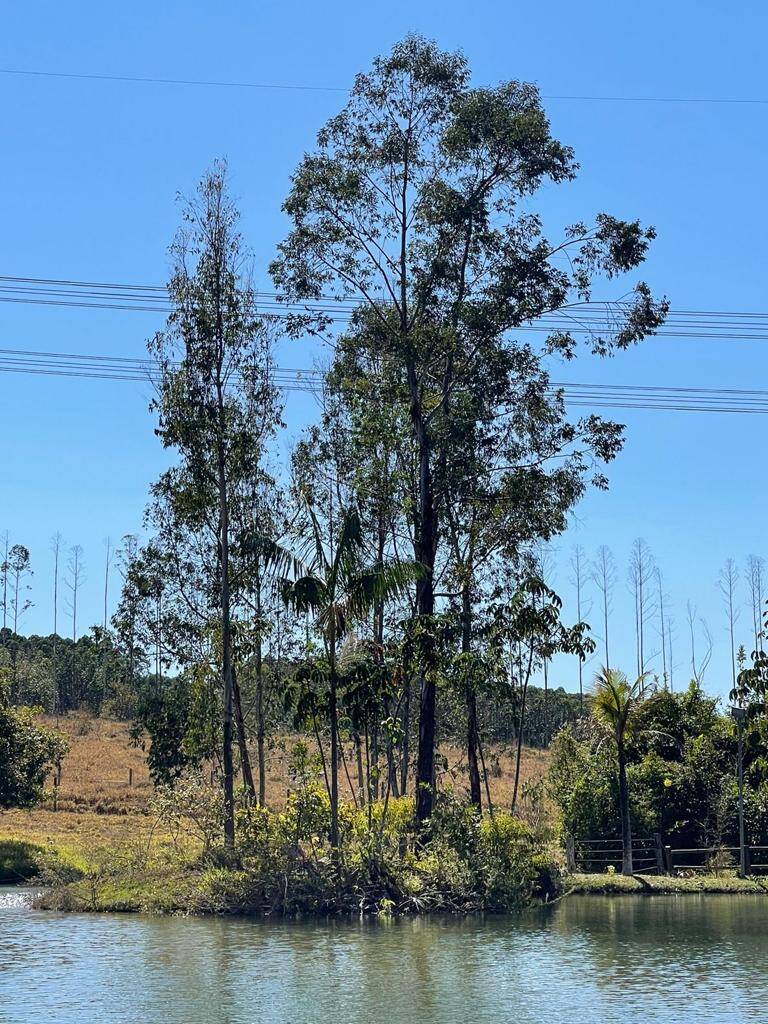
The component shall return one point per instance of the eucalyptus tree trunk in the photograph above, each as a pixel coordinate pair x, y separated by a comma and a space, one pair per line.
260, 712
226, 638
426, 548
471, 703
242, 737
405, 751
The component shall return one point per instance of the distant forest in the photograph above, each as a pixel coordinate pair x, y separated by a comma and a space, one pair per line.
94, 674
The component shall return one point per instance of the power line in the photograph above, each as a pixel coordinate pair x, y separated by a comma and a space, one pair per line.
290, 379
148, 80
301, 87
578, 319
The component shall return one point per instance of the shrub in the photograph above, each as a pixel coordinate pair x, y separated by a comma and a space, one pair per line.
28, 752
681, 777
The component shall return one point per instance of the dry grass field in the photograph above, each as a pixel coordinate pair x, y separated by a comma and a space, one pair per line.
105, 791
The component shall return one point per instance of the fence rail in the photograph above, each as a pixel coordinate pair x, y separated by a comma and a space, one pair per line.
126, 782
595, 856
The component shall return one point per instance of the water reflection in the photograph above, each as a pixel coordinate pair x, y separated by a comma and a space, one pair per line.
655, 959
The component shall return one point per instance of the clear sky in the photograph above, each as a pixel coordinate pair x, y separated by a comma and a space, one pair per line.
90, 171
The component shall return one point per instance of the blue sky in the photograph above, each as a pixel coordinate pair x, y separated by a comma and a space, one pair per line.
90, 171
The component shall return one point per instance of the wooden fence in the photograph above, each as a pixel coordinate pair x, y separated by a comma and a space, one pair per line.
595, 856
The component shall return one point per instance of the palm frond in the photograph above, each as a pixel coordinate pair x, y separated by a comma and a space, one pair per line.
306, 594
348, 547
381, 582
316, 540
275, 557
616, 701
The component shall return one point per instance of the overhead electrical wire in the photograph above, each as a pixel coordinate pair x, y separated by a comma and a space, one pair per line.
301, 87
291, 379
579, 319
589, 318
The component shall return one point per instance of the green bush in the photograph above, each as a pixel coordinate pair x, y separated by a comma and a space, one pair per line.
18, 861
681, 777
28, 751
464, 862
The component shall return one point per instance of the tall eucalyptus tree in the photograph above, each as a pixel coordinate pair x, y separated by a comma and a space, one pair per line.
216, 407
416, 202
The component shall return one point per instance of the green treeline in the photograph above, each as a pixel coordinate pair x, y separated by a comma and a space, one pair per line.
681, 769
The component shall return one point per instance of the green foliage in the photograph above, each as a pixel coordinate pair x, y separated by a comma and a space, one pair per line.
18, 861
28, 752
57, 672
177, 721
681, 766
465, 862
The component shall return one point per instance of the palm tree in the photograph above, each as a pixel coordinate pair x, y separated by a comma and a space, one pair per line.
615, 707
337, 587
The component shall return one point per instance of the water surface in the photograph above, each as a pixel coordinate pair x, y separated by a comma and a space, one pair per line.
655, 960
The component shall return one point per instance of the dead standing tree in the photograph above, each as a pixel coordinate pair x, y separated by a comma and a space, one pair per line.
727, 585
641, 579
17, 567
579, 578
756, 584
604, 577
74, 581
56, 541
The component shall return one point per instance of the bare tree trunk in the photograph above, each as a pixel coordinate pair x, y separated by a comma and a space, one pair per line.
242, 738
106, 582
226, 642
626, 823
425, 551
260, 710
56, 548
406, 744
359, 763
471, 703
519, 751
334, 718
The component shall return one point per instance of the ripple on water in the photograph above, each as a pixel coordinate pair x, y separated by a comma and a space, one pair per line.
12, 898
588, 961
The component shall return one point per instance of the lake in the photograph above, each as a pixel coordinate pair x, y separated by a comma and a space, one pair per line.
587, 960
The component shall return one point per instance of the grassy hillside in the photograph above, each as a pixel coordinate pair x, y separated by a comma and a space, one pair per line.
96, 805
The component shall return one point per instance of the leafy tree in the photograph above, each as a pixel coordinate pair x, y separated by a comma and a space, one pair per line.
680, 775
616, 704
216, 407
28, 752
416, 203
178, 718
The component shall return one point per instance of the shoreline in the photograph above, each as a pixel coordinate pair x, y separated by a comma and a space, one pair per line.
578, 884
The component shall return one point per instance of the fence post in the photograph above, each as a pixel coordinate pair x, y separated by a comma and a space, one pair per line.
570, 853
130, 776
668, 858
747, 860
56, 791
659, 851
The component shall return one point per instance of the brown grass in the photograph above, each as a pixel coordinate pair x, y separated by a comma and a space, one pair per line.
102, 772
97, 806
